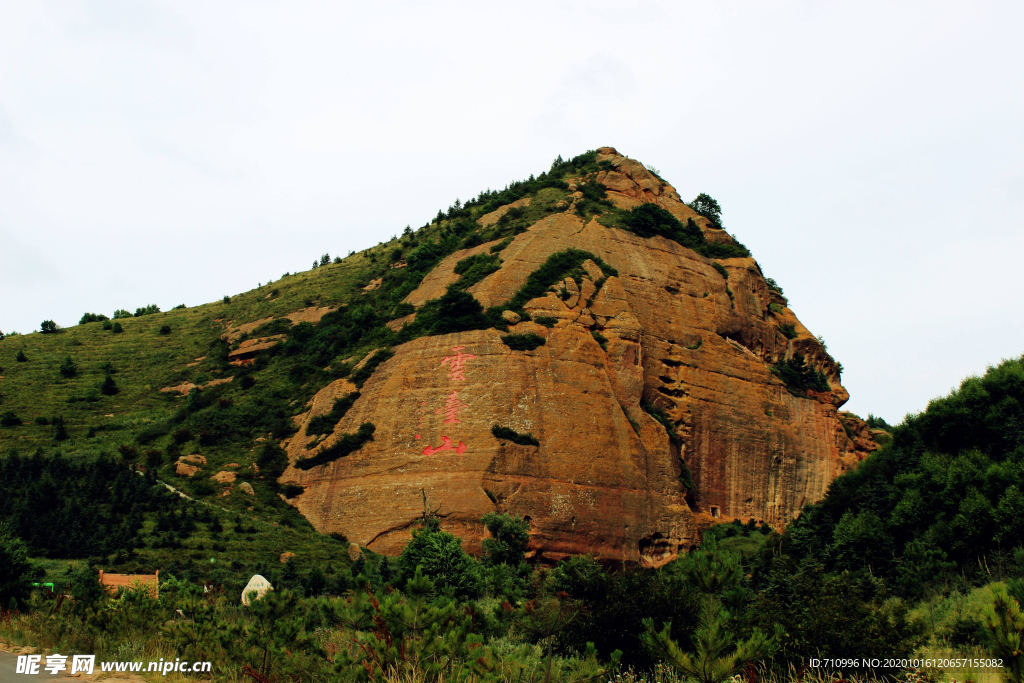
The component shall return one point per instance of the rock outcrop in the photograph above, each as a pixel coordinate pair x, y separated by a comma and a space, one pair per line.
660, 371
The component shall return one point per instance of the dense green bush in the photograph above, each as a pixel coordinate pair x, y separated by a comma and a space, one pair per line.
165, 329
68, 368
359, 376
473, 269
515, 437
557, 267
122, 313
945, 490
17, 571
92, 318
523, 342
76, 508
663, 419
116, 328
456, 311
109, 386
706, 206
510, 537
721, 269
324, 424
48, 327
800, 377
20, 356
649, 220
10, 419
345, 445
788, 330
440, 556
146, 310
877, 423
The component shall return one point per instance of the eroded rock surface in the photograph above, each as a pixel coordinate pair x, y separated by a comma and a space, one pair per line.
665, 335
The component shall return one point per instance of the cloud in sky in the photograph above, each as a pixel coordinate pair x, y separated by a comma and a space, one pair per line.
869, 153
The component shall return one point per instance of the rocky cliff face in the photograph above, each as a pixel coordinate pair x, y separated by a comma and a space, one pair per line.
669, 334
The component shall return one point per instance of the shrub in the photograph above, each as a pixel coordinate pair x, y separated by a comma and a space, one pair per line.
707, 207
122, 313
788, 330
154, 457
648, 220
48, 327
347, 444
510, 536
324, 424
475, 268
92, 318
109, 386
439, 555
182, 435
799, 376
773, 285
775, 308
663, 419
523, 342
721, 269
20, 356
545, 320
600, 339
500, 246
877, 423
117, 329
292, 490
107, 324
60, 432
325, 259
227, 299
360, 376
556, 268
10, 419
178, 307
68, 368
17, 572
42, 421
515, 437
401, 310
146, 310
165, 329
456, 311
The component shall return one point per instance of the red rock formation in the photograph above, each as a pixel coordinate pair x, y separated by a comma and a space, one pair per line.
605, 478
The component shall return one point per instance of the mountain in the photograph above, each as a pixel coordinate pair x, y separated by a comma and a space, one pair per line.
582, 349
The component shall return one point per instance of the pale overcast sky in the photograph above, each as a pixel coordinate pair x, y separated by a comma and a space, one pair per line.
870, 154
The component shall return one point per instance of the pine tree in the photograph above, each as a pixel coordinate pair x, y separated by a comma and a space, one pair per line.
109, 386
717, 654
1005, 623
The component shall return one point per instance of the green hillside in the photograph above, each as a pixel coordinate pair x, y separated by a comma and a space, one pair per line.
917, 551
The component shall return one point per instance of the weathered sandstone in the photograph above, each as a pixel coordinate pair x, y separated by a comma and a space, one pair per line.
605, 478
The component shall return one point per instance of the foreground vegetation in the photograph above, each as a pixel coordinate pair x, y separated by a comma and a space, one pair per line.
917, 551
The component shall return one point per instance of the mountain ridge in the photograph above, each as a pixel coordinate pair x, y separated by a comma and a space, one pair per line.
276, 350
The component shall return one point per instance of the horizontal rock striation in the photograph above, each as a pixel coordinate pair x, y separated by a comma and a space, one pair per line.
663, 369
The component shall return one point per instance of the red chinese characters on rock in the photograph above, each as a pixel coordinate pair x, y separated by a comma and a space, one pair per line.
446, 445
457, 363
453, 406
